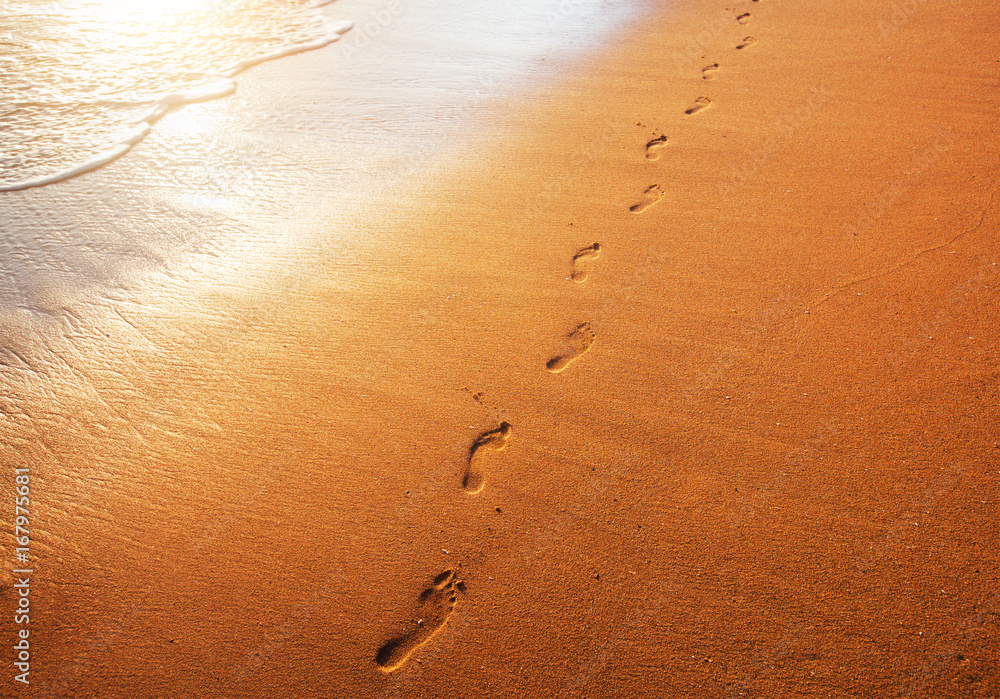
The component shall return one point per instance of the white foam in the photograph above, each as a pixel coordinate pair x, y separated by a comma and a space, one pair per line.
219, 88
335, 31
223, 85
115, 151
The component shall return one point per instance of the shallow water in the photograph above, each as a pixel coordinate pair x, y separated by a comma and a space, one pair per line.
84, 80
298, 154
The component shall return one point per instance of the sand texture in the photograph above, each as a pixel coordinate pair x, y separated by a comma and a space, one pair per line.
670, 371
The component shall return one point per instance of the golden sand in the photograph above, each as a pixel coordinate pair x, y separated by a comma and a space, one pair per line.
678, 378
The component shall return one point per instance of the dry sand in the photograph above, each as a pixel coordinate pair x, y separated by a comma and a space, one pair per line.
408, 449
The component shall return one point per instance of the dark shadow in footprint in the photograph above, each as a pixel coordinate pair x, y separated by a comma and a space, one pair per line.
652, 195
495, 440
747, 43
591, 252
579, 341
708, 72
653, 147
436, 606
743, 18
699, 104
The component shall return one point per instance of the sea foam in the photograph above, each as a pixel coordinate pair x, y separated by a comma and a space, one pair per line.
85, 81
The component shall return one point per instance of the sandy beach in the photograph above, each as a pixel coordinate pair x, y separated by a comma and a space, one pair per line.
665, 366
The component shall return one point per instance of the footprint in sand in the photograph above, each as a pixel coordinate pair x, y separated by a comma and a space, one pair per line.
437, 603
654, 146
579, 341
699, 104
591, 252
495, 440
743, 18
652, 195
747, 43
708, 72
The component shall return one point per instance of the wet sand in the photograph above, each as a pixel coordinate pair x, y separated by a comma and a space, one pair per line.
673, 373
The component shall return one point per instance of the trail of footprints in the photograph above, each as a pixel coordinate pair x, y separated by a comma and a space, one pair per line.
437, 602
